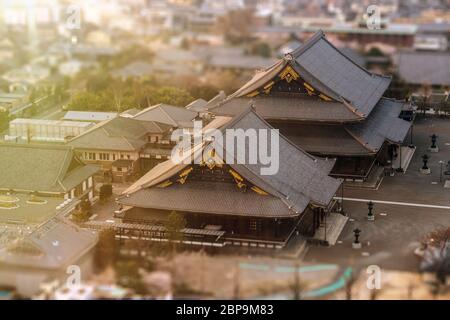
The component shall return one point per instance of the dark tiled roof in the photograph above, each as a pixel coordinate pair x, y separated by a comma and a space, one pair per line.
421, 67
197, 105
41, 168
167, 114
326, 65
362, 138
289, 108
325, 139
330, 72
301, 178
123, 134
208, 197
383, 124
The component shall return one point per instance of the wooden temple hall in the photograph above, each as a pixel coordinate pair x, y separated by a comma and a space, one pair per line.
228, 204
329, 106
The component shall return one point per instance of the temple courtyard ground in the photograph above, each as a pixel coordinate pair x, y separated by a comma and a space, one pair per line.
407, 207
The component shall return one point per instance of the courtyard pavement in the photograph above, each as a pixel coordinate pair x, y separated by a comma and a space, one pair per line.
415, 204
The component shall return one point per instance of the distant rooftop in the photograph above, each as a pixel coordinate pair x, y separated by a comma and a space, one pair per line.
424, 67
43, 168
120, 133
168, 114
47, 122
54, 245
89, 116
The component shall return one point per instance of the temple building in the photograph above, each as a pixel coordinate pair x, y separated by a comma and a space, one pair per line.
226, 202
328, 105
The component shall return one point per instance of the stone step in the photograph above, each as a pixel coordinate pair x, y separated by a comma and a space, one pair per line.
335, 223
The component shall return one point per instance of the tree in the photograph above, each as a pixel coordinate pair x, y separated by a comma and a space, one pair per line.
296, 284
4, 119
105, 191
105, 250
261, 49
98, 82
174, 225
128, 273
168, 95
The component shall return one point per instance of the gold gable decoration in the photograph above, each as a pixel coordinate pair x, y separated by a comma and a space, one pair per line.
268, 87
164, 184
184, 174
289, 74
259, 191
324, 97
253, 94
238, 179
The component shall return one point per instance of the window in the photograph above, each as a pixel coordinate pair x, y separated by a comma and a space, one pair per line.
104, 156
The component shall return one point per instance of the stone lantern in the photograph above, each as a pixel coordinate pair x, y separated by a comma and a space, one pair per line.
425, 169
370, 215
356, 243
434, 147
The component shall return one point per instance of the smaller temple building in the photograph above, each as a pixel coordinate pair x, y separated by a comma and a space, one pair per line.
233, 201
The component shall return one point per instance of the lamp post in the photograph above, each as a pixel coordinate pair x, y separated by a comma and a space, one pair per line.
425, 169
356, 243
370, 215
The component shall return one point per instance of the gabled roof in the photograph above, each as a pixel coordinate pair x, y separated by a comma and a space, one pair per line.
301, 180
197, 105
289, 108
339, 74
89, 115
357, 139
54, 245
167, 114
44, 168
382, 125
120, 133
330, 72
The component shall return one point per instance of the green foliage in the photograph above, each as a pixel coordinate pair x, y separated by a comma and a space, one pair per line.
4, 119
375, 52
168, 95
174, 224
261, 49
105, 251
84, 212
128, 275
119, 96
98, 82
105, 191
134, 53
204, 91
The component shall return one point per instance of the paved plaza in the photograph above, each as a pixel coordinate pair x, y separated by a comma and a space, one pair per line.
407, 207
